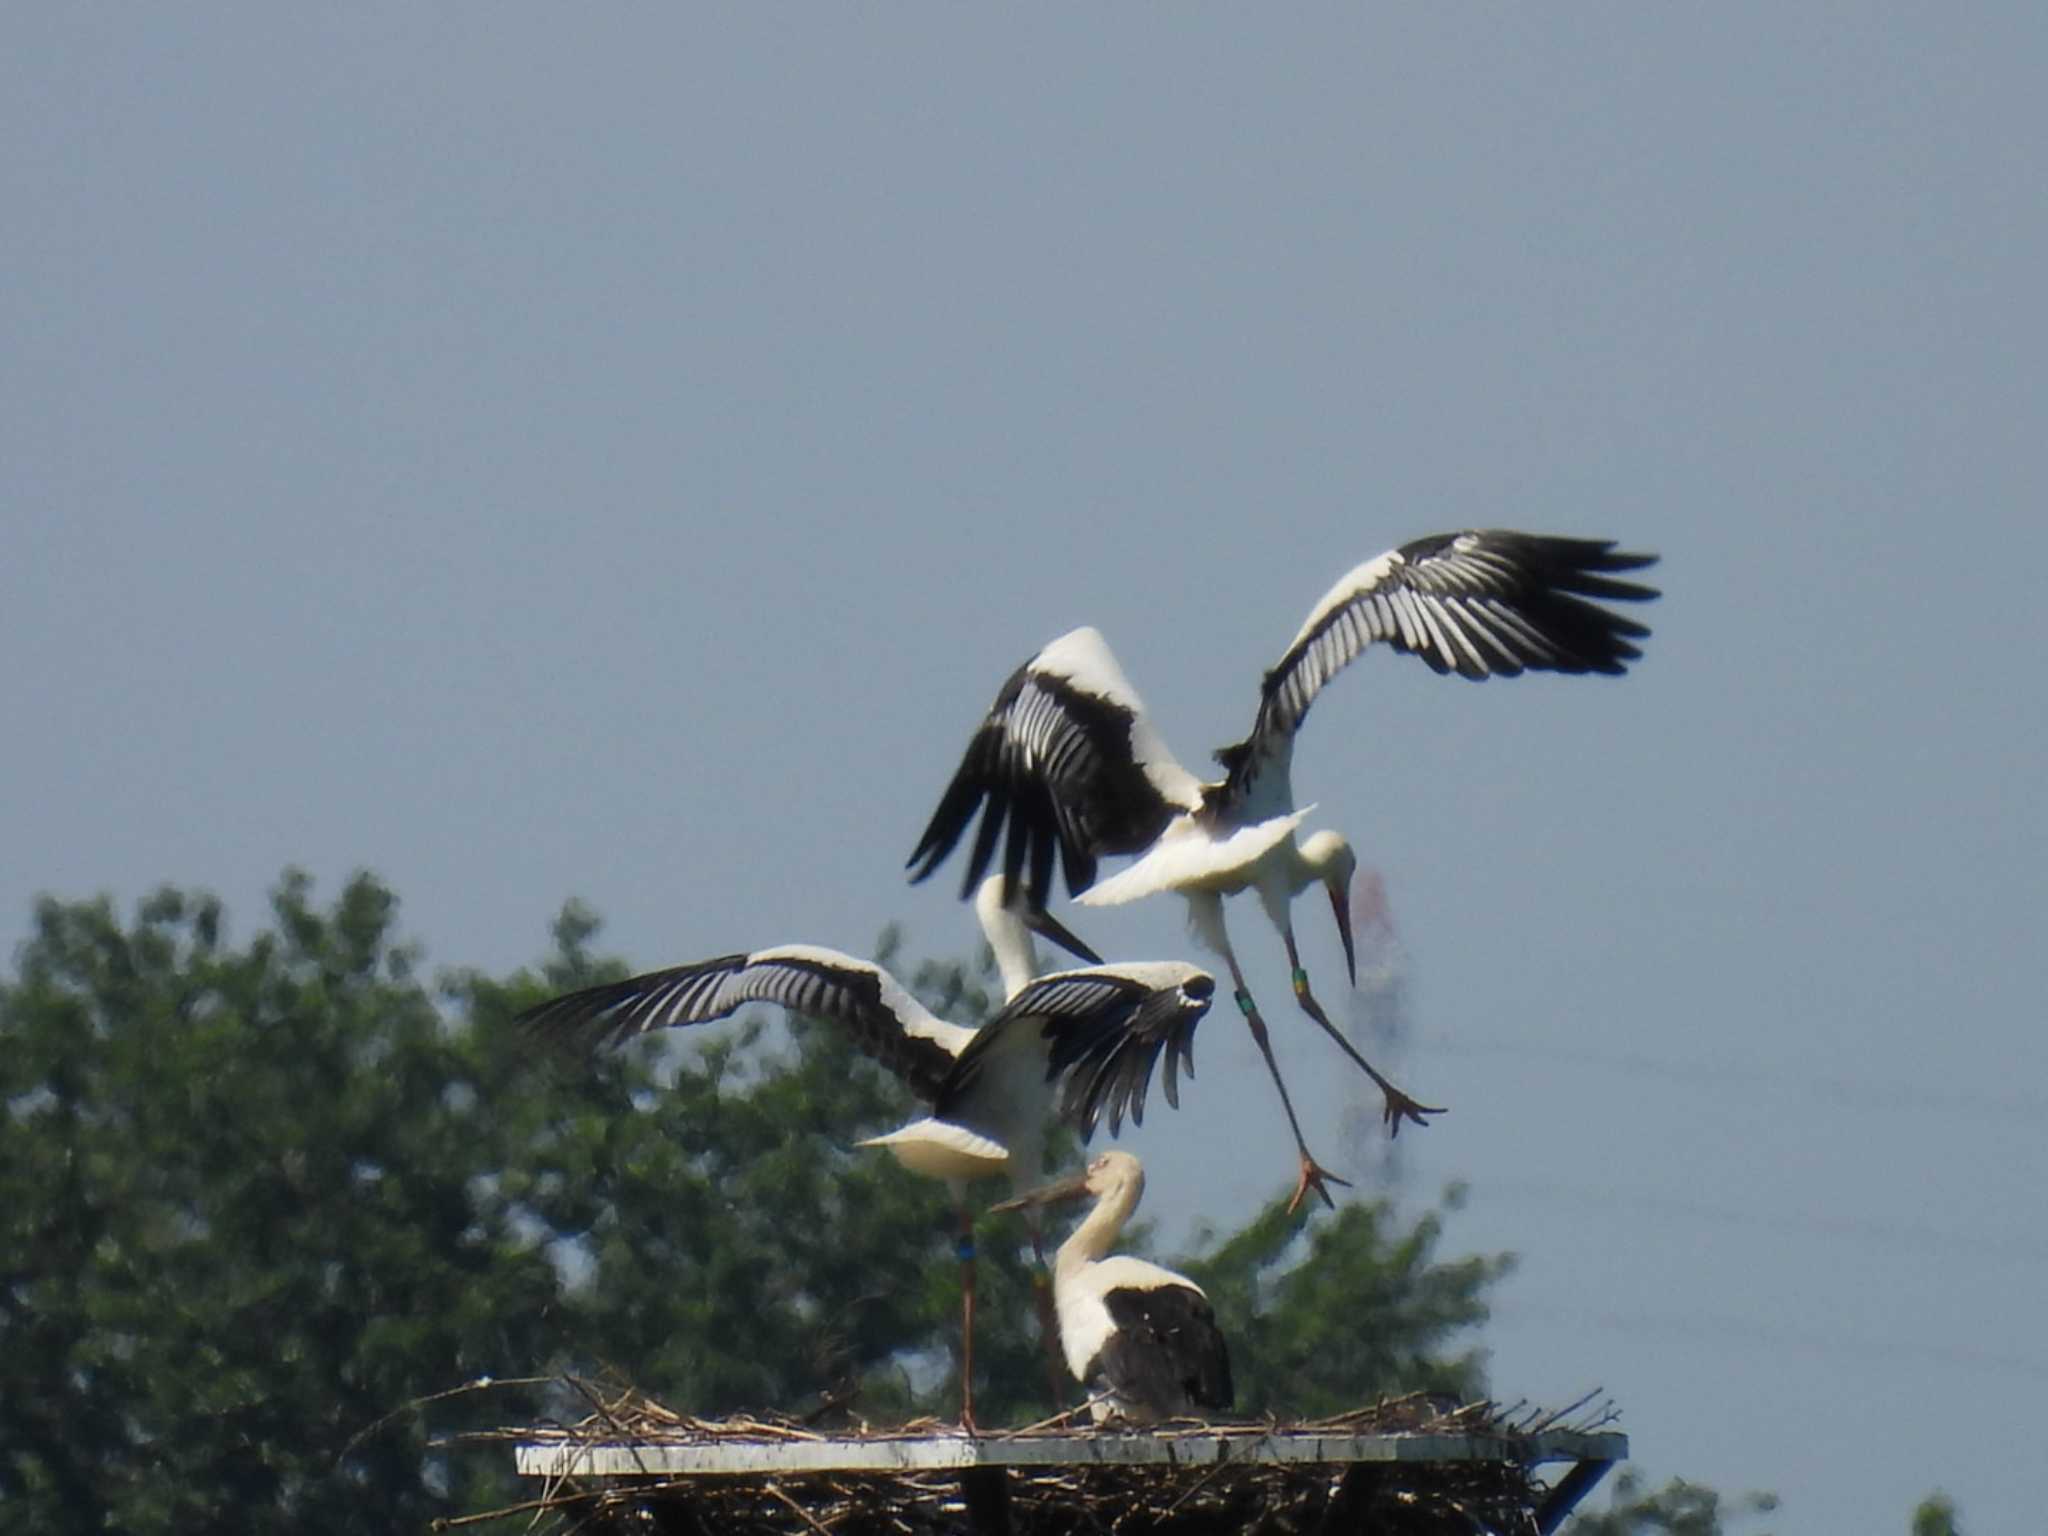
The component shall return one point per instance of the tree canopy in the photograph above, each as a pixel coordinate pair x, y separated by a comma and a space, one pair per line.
1679, 1508
261, 1199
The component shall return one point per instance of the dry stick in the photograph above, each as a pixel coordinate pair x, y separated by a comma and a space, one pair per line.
775, 1491
1609, 1414
795, 1432
545, 1503
1549, 1419
609, 1417
481, 1384
1043, 1424
551, 1491
598, 1403
1198, 1485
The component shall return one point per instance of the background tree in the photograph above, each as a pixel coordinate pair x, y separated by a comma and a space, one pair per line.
1296, 1324
245, 1196
260, 1198
1679, 1508
1935, 1516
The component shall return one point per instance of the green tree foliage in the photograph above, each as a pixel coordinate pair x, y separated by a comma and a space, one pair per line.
1368, 1305
727, 1245
1679, 1508
260, 1198
1935, 1516
238, 1190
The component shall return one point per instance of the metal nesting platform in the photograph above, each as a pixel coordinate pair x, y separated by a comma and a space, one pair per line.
1312, 1480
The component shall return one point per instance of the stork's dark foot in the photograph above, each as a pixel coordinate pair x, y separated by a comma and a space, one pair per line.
1400, 1108
1314, 1176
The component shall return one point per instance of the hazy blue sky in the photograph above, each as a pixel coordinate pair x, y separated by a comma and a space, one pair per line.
533, 451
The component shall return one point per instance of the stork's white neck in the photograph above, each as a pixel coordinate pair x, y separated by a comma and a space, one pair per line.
1098, 1234
1016, 957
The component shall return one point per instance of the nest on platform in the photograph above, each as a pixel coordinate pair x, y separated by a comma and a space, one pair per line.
1495, 1493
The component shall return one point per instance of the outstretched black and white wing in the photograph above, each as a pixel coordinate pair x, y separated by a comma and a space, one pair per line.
1102, 1030
1066, 764
1164, 1355
883, 1019
1104, 1057
1482, 603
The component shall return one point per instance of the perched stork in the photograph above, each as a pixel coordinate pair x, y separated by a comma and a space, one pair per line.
1140, 1339
1068, 759
991, 1090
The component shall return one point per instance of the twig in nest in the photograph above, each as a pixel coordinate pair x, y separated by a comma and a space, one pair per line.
1569, 1409
1197, 1486
1043, 1424
774, 1490
481, 1384
545, 1504
603, 1410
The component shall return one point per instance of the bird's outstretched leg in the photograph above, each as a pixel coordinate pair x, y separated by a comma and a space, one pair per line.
1314, 1176
1049, 1335
1048, 1317
1400, 1107
1205, 915
965, 1249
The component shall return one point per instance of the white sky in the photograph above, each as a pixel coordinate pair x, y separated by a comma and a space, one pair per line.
619, 452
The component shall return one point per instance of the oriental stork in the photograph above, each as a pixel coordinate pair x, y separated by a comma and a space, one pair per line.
1068, 758
1140, 1339
1079, 1042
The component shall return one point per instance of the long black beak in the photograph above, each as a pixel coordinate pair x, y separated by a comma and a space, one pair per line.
1072, 1188
1340, 904
1049, 928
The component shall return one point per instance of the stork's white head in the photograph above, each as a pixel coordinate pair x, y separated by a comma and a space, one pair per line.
1331, 861
1115, 1170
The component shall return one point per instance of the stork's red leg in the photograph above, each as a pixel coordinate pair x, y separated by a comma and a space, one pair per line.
966, 1252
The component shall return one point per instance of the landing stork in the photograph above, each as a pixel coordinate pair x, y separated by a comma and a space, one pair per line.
991, 1090
1069, 760
1139, 1338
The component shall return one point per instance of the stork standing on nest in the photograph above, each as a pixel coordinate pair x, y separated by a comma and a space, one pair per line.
992, 1090
1068, 758
1140, 1339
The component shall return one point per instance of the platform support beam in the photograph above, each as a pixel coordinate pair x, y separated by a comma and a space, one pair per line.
1583, 1478
987, 1491
1347, 1506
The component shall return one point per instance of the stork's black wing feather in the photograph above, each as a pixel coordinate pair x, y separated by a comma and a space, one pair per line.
1104, 1055
613, 1013
883, 1020
1482, 603
1166, 1352
1055, 763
